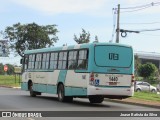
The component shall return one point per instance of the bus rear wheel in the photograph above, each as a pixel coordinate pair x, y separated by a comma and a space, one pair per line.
61, 94
96, 99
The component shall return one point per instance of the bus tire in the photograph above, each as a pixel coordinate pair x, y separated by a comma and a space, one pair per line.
32, 93
69, 99
61, 94
96, 99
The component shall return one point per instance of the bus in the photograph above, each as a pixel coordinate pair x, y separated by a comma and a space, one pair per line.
91, 70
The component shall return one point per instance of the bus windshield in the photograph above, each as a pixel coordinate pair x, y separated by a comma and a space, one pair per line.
113, 56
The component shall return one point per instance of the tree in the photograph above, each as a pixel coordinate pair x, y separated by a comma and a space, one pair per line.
30, 36
10, 70
96, 39
147, 70
1, 69
84, 37
137, 63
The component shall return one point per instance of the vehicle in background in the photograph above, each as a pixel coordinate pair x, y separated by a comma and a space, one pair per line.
158, 87
144, 86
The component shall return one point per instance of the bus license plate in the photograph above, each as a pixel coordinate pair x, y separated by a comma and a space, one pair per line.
113, 80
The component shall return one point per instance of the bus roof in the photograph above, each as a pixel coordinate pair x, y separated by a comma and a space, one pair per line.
78, 46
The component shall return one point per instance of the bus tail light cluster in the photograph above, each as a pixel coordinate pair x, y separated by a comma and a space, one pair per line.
132, 80
91, 79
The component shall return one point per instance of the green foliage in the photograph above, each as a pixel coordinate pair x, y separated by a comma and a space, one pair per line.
30, 36
84, 37
1, 69
10, 70
153, 80
96, 39
10, 80
147, 70
137, 63
147, 96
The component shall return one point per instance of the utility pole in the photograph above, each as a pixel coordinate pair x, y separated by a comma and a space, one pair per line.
118, 28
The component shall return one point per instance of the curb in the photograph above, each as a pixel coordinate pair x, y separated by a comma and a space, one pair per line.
133, 103
6, 86
10, 87
16, 87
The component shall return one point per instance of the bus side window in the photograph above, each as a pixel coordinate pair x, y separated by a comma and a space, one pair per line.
53, 60
30, 62
83, 59
72, 60
33, 61
62, 61
45, 61
38, 61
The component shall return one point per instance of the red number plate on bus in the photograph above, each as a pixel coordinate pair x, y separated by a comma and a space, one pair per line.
112, 83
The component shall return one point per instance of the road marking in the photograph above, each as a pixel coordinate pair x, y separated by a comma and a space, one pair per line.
30, 119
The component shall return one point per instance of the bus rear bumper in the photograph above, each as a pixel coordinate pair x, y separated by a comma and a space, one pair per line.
111, 91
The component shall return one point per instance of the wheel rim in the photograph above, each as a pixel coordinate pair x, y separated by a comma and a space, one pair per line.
30, 89
60, 94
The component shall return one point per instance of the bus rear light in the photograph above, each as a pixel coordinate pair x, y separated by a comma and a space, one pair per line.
92, 75
91, 79
133, 77
132, 80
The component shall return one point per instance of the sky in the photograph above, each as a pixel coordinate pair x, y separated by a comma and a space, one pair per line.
98, 17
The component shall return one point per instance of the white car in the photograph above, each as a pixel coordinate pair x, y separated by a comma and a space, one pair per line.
158, 87
144, 86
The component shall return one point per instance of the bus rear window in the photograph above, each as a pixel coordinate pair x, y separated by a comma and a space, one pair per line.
113, 56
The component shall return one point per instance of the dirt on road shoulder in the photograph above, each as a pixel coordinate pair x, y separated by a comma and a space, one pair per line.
154, 104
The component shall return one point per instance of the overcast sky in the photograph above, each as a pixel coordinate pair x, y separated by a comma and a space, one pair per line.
95, 16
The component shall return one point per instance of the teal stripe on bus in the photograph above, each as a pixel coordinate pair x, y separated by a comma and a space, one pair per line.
40, 88
24, 86
114, 86
52, 89
62, 76
75, 91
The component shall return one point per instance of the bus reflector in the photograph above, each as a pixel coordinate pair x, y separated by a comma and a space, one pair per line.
132, 81
91, 79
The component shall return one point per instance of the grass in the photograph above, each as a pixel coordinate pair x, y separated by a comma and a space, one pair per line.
147, 96
9, 80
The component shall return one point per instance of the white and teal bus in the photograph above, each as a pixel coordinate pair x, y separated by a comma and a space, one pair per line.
93, 70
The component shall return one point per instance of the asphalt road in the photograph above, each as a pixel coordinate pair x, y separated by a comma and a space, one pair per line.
18, 100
